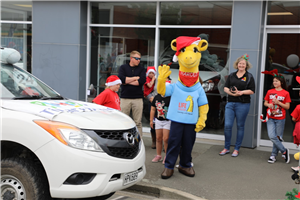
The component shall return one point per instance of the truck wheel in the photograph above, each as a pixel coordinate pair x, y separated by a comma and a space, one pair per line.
20, 180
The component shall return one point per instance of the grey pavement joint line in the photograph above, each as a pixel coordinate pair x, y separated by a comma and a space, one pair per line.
163, 192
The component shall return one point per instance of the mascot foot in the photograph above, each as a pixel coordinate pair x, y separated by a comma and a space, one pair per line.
187, 171
167, 173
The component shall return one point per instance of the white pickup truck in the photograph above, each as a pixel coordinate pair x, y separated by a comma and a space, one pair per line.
53, 147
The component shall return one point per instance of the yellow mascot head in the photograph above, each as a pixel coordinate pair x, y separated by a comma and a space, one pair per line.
188, 50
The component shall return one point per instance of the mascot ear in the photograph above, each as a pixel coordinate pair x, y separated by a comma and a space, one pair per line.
203, 44
173, 45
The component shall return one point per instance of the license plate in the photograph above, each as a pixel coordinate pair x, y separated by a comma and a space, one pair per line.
130, 177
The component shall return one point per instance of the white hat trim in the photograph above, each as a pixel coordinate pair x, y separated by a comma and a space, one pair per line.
175, 58
151, 70
114, 83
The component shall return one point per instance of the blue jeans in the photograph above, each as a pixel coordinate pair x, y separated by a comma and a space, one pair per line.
238, 111
275, 128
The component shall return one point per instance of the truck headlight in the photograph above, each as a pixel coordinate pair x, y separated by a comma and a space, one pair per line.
69, 135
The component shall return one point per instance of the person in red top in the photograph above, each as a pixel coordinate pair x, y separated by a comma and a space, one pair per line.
150, 94
109, 96
150, 83
278, 101
296, 118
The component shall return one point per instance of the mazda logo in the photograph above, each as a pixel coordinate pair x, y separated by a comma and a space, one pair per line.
129, 138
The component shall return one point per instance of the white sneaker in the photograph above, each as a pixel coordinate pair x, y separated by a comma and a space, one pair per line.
295, 169
272, 159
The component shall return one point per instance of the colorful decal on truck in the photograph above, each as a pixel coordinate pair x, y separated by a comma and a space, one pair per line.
49, 109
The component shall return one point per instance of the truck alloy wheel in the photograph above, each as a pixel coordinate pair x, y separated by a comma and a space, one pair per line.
21, 181
11, 188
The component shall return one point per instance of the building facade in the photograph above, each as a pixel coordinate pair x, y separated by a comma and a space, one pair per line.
73, 44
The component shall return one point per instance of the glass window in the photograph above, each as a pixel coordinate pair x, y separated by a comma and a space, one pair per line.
213, 68
16, 10
196, 13
19, 84
110, 48
283, 13
18, 36
123, 13
283, 55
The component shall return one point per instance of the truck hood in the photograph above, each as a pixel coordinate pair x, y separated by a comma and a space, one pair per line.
80, 114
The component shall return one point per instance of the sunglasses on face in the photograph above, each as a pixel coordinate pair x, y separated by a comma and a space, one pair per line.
136, 58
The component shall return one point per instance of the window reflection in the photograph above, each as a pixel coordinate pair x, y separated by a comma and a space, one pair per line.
123, 13
111, 48
196, 13
18, 36
213, 68
16, 10
283, 13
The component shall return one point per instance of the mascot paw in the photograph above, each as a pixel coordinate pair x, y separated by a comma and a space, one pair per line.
199, 127
164, 71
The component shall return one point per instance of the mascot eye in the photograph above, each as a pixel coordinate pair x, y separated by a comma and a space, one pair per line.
196, 50
182, 50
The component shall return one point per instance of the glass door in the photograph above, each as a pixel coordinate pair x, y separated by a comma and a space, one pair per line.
282, 52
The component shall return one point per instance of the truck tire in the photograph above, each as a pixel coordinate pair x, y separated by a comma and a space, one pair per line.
21, 180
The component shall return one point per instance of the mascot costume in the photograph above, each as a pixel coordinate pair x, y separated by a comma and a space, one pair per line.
188, 106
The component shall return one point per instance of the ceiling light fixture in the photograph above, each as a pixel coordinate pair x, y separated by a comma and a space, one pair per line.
23, 5
280, 13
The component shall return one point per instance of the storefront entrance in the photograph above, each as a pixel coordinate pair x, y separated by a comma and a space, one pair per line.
282, 52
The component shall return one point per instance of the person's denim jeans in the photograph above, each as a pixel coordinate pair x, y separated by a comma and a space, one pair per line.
276, 128
238, 111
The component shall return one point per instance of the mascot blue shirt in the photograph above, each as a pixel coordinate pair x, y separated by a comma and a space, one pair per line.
184, 102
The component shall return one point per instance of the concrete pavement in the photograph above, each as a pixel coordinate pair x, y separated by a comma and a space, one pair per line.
248, 176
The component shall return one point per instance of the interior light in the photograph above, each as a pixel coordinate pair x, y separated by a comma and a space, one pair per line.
23, 5
280, 13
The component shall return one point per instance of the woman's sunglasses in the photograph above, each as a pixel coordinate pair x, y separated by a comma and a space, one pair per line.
136, 58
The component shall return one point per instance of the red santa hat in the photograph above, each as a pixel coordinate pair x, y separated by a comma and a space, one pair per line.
184, 41
150, 69
113, 80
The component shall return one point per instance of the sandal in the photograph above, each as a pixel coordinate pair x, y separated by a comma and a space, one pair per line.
223, 152
235, 153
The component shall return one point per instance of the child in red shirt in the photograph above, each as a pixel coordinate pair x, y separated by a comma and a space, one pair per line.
150, 83
109, 96
278, 101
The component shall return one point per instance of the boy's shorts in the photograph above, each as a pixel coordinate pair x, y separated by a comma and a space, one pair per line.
162, 124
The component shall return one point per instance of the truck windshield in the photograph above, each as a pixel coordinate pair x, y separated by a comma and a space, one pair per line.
16, 83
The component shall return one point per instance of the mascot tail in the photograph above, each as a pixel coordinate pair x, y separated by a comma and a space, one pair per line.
267, 117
